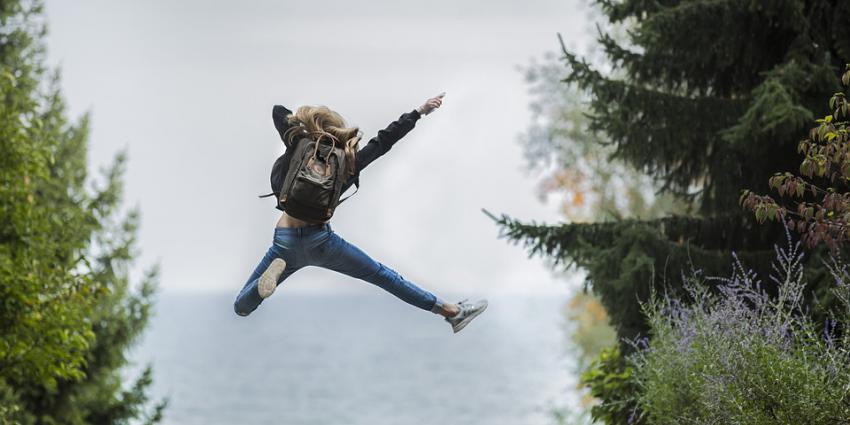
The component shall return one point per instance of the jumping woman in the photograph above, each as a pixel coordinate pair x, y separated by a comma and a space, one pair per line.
320, 162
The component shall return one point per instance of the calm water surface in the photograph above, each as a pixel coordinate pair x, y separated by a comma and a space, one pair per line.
365, 358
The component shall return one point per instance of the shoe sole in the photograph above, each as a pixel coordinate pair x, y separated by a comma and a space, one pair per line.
466, 321
268, 280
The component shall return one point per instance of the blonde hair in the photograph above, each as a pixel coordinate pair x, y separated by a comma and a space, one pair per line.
320, 121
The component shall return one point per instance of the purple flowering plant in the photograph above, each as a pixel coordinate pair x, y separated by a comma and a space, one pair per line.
731, 351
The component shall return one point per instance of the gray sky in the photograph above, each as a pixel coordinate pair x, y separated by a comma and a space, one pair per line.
187, 88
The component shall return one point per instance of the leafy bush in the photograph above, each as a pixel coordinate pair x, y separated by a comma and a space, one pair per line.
734, 352
816, 203
611, 381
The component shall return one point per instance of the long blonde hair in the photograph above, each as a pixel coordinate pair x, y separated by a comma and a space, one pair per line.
320, 121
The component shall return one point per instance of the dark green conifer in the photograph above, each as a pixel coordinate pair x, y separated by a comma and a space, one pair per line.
709, 97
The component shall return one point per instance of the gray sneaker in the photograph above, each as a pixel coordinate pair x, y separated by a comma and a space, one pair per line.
468, 311
268, 280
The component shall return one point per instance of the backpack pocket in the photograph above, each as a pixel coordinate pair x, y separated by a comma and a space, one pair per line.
312, 191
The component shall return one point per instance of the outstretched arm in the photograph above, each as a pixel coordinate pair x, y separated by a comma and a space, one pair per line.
279, 114
387, 137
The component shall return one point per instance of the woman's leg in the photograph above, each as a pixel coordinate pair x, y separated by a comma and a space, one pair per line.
249, 297
345, 258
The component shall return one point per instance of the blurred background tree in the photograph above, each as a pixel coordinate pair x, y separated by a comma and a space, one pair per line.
575, 166
576, 171
68, 311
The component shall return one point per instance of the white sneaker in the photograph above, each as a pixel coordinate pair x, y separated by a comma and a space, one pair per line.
268, 280
468, 311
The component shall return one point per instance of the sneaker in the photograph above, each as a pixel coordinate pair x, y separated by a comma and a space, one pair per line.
468, 311
268, 280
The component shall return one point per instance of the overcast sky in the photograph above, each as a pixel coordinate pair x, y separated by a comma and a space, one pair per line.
186, 87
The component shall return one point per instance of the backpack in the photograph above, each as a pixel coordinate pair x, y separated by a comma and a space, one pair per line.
311, 187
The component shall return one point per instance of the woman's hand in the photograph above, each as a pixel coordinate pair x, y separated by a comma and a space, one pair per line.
431, 104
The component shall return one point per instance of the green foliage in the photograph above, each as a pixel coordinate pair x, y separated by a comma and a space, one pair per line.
36, 272
743, 356
611, 380
707, 98
817, 202
576, 164
68, 313
628, 259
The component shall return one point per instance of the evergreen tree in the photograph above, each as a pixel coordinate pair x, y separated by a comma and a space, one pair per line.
68, 312
574, 164
708, 97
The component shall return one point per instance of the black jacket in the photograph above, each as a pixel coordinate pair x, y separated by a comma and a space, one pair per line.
376, 147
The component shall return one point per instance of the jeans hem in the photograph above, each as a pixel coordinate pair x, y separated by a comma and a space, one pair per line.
437, 308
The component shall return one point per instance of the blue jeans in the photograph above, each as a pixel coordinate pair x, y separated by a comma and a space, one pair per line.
318, 245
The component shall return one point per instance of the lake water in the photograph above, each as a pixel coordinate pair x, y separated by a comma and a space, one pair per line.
365, 358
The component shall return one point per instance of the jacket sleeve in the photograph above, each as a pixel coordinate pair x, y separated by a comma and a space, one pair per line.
279, 114
382, 143
385, 140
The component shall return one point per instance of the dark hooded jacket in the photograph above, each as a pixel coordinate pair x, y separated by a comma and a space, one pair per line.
377, 146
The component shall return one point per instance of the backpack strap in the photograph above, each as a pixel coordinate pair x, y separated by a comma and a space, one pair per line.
356, 188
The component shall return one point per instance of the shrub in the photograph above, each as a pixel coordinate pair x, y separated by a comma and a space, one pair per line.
815, 203
732, 352
611, 380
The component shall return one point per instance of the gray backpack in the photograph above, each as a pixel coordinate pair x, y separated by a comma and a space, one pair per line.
313, 183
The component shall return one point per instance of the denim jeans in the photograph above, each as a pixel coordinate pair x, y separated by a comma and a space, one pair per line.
318, 245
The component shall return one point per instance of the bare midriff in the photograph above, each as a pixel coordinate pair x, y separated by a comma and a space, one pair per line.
287, 220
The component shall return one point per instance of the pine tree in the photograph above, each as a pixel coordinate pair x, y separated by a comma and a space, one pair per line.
67, 310
708, 97
575, 164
